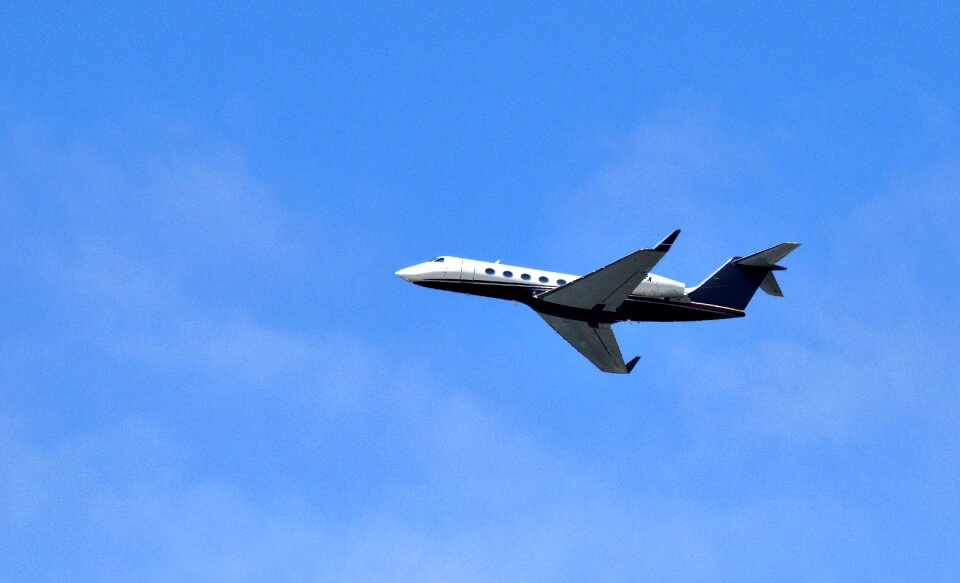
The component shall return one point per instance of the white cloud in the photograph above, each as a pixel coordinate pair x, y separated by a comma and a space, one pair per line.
480, 496
862, 339
679, 170
219, 208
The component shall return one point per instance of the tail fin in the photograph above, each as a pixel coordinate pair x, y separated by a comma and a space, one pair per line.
734, 284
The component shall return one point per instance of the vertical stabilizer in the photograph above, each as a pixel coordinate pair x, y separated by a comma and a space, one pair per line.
735, 283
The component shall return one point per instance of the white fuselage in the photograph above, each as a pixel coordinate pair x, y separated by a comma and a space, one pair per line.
582, 309
456, 268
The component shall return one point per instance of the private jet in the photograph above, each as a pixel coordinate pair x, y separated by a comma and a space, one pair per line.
583, 309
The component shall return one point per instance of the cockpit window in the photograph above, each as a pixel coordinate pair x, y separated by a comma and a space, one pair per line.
438, 260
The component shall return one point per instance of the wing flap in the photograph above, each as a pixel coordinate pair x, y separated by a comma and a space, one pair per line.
595, 341
608, 287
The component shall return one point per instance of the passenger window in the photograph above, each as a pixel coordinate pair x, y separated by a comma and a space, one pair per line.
507, 274
489, 271
525, 277
561, 282
544, 279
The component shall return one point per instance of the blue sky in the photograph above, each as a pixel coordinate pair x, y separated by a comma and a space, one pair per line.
208, 370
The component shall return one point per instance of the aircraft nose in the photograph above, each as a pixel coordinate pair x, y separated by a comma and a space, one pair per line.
405, 274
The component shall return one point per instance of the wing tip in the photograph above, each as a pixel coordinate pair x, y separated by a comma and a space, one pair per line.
664, 245
632, 363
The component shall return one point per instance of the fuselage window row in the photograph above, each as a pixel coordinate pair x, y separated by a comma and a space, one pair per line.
523, 276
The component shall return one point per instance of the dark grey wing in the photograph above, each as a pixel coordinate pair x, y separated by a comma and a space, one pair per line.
595, 341
608, 287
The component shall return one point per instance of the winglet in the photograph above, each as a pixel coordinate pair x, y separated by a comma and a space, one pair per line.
664, 245
633, 362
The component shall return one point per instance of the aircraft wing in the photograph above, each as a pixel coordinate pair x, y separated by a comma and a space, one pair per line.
608, 287
595, 341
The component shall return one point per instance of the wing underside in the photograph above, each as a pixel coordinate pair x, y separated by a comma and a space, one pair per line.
604, 290
595, 341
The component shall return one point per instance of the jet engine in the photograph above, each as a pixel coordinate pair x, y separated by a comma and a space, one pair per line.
655, 286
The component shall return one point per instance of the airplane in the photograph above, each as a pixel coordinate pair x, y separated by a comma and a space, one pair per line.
582, 309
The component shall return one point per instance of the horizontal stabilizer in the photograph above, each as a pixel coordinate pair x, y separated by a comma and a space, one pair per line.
768, 257
770, 285
733, 285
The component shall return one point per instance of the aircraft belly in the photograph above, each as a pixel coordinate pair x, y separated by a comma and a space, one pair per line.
667, 311
636, 309
503, 291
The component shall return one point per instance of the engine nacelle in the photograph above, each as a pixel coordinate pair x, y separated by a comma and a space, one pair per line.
655, 286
